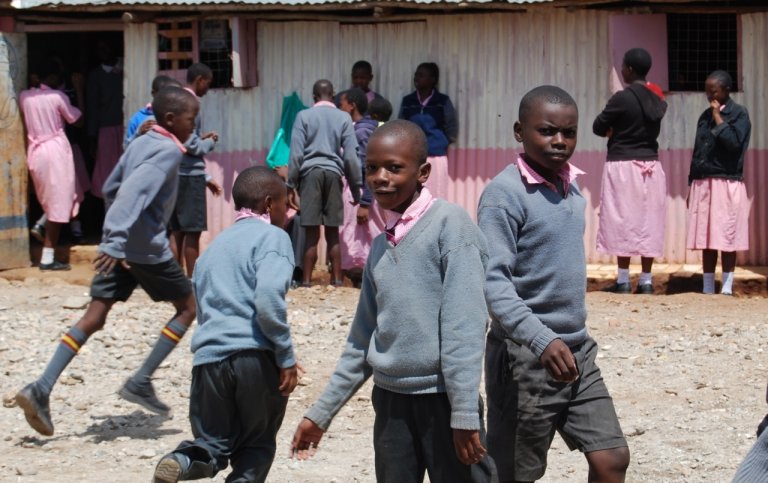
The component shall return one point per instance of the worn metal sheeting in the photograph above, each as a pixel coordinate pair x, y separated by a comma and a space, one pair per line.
22, 4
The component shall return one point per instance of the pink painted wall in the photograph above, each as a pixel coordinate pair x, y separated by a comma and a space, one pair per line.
646, 31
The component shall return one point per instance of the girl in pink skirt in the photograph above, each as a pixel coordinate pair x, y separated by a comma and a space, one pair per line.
634, 189
433, 111
718, 206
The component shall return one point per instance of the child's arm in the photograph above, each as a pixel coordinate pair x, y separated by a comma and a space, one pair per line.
198, 147
733, 133
298, 140
451, 121
351, 163
606, 119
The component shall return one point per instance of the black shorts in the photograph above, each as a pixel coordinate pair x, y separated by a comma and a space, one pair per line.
190, 213
163, 281
320, 198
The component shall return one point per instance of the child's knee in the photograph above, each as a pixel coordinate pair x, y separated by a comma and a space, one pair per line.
609, 461
186, 310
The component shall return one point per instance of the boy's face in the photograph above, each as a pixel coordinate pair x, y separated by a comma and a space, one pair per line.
423, 79
393, 173
182, 124
715, 91
278, 208
201, 86
548, 134
361, 78
345, 105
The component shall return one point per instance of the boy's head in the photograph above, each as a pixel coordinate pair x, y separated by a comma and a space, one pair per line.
50, 73
396, 164
636, 64
362, 75
175, 110
261, 190
199, 78
163, 81
380, 109
547, 127
353, 101
427, 76
322, 90
718, 86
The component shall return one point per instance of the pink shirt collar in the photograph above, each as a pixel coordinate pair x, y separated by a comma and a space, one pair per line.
191, 91
244, 213
324, 104
567, 174
164, 132
424, 102
398, 225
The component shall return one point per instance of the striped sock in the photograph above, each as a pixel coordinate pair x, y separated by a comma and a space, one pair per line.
70, 345
169, 337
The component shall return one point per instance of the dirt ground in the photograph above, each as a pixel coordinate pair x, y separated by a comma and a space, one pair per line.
687, 373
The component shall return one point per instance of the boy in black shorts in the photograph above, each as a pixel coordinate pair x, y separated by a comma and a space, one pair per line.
139, 194
323, 149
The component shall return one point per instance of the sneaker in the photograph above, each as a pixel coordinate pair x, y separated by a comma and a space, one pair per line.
143, 395
38, 233
34, 402
618, 288
644, 289
55, 266
169, 469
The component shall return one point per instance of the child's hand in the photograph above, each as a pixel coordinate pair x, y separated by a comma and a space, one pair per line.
469, 449
146, 126
212, 135
609, 133
305, 440
282, 171
104, 264
289, 379
362, 215
559, 361
293, 199
214, 187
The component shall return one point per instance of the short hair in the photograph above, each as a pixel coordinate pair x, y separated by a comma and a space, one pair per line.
172, 99
404, 130
162, 81
639, 60
254, 184
48, 68
432, 68
198, 70
357, 97
362, 65
323, 89
723, 78
548, 94
380, 109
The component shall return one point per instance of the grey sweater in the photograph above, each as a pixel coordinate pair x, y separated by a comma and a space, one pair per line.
421, 319
536, 278
324, 137
140, 194
240, 286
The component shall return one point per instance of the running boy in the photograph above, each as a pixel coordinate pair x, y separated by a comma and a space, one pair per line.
244, 366
418, 329
323, 148
140, 194
541, 374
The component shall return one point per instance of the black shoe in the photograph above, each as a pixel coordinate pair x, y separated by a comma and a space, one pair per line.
55, 266
644, 289
34, 402
619, 288
38, 233
143, 395
170, 468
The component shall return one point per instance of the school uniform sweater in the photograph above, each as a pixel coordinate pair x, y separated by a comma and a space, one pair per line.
363, 130
324, 137
719, 150
634, 115
143, 114
140, 195
193, 164
536, 279
421, 319
240, 284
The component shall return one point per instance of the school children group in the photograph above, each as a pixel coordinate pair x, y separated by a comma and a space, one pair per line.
430, 284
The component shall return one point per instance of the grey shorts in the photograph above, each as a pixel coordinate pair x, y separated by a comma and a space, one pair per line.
164, 281
190, 213
320, 198
526, 406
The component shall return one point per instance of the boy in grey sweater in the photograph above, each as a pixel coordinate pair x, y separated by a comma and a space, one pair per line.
134, 250
244, 366
541, 374
418, 329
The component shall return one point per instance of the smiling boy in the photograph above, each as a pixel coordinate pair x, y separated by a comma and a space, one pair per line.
541, 375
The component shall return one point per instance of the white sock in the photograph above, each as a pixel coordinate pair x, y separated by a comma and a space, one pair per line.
645, 278
709, 283
727, 283
623, 276
47, 256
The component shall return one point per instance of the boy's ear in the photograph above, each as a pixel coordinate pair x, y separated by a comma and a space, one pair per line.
518, 130
424, 170
169, 118
268, 202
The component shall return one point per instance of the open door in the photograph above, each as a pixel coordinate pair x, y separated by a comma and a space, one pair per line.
14, 233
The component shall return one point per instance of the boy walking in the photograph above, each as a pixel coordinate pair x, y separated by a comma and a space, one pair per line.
323, 149
418, 329
541, 374
244, 366
134, 251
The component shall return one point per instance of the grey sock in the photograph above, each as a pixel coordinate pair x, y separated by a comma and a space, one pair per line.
169, 337
68, 347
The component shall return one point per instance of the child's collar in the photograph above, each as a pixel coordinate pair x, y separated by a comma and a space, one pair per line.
164, 132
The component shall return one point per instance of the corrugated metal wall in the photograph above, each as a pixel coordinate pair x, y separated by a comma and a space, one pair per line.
487, 63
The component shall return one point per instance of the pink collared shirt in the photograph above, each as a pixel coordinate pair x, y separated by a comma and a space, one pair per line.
164, 132
324, 104
398, 225
567, 174
244, 213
